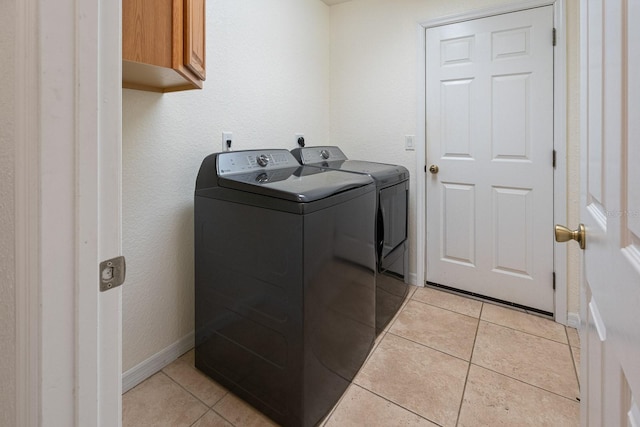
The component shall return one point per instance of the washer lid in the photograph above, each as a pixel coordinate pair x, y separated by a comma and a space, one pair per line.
376, 170
301, 184
276, 173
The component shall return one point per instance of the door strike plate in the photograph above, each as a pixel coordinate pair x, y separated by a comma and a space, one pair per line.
112, 273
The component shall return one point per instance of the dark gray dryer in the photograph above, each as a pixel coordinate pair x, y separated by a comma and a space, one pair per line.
392, 261
284, 280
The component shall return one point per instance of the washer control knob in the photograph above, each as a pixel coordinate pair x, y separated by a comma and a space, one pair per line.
325, 154
262, 178
263, 160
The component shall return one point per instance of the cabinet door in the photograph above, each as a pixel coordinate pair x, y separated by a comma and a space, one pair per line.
146, 31
194, 40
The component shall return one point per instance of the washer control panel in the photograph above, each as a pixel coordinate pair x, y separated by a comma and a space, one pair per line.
262, 159
232, 162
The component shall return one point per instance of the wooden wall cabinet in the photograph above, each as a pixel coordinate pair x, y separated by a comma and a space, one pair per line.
163, 44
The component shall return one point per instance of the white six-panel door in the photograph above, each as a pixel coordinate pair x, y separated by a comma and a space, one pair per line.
489, 110
610, 210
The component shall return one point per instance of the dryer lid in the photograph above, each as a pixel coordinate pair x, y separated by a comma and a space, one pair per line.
333, 158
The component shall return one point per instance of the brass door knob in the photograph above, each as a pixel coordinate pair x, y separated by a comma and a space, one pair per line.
434, 169
563, 234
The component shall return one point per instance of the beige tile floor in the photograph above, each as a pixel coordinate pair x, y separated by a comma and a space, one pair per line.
444, 360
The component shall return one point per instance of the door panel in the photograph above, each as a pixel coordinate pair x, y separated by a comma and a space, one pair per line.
511, 43
610, 211
456, 130
458, 219
510, 121
513, 221
490, 131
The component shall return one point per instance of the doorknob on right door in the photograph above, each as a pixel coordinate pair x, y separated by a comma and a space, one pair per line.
563, 234
434, 169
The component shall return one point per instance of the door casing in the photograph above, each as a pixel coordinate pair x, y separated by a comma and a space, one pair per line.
68, 211
559, 136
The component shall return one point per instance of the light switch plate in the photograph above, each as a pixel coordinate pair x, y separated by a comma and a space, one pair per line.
408, 143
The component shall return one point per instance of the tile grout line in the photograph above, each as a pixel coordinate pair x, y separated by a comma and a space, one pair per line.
352, 382
328, 417
573, 359
479, 318
209, 408
524, 382
388, 331
570, 399
201, 417
494, 323
524, 332
448, 309
384, 333
466, 378
229, 421
432, 348
397, 404
397, 315
194, 396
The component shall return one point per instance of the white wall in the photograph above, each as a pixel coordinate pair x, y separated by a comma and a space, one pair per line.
374, 88
267, 79
7, 268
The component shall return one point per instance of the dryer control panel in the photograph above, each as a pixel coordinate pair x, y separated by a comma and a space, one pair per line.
232, 162
312, 155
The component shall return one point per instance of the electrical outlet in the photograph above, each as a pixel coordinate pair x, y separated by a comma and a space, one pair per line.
408, 143
298, 136
227, 139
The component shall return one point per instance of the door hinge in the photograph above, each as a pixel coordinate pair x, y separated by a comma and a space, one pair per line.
112, 273
554, 158
554, 38
554, 280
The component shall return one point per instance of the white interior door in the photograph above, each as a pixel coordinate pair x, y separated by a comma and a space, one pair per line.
610, 211
489, 111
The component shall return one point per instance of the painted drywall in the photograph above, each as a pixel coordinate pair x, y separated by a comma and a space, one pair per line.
267, 79
374, 88
7, 268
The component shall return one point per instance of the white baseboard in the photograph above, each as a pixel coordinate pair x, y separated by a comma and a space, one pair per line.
573, 320
155, 363
413, 280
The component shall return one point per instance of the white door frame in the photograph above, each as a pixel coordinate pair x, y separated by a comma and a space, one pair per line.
559, 136
68, 211
27, 225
